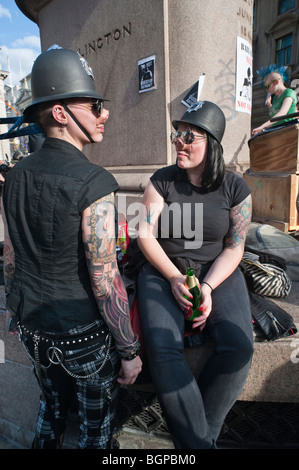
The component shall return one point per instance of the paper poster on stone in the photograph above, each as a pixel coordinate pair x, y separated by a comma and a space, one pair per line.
244, 76
146, 74
193, 94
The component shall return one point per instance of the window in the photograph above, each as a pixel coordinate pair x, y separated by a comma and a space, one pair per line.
285, 5
284, 50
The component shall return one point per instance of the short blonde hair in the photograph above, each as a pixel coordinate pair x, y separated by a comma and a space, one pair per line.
273, 76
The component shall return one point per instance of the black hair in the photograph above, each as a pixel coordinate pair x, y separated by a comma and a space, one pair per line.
214, 170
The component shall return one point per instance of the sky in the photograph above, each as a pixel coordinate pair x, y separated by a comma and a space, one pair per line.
19, 42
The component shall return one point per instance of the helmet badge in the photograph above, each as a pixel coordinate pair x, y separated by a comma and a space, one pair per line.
195, 106
84, 63
86, 67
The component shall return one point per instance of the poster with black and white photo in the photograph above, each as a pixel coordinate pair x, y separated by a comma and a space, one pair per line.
146, 74
243, 76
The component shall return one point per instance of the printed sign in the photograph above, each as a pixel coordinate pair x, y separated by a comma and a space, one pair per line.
146, 74
244, 76
193, 94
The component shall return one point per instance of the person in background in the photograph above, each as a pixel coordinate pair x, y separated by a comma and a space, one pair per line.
62, 282
218, 203
280, 100
17, 153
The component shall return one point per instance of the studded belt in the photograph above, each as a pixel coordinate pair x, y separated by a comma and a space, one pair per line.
62, 339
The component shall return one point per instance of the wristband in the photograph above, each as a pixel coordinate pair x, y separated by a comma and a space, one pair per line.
204, 282
130, 356
129, 352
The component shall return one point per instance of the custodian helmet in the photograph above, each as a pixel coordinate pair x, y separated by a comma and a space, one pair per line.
58, 74
206, 115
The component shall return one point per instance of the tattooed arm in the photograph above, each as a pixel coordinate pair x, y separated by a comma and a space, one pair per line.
8, 262
230, 257
98, 226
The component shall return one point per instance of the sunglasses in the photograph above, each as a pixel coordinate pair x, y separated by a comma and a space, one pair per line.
96, 107
187, 137
271, 83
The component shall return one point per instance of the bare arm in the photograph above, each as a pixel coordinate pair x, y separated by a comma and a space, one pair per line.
99, 240
287, 103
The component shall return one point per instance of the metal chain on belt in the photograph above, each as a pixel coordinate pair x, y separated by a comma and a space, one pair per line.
59, 356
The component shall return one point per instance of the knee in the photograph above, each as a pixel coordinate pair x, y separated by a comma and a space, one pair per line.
233, 342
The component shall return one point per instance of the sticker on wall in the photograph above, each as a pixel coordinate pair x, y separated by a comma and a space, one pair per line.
146, 74
193, 94
244, 76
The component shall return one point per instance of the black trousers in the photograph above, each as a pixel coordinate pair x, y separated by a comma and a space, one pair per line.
195, 410
95, 393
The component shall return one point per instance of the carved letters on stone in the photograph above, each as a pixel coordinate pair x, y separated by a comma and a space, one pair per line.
106, 39
246, 31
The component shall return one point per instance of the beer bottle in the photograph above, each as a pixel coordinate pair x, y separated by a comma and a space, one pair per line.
123, 244
194, 289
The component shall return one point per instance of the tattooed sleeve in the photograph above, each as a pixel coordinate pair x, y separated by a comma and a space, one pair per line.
98, 224
240, 217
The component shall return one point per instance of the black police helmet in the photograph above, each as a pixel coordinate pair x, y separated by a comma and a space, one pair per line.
58, 74
207, 116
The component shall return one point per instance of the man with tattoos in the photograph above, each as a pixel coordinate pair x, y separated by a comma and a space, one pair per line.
195, 410
62, 281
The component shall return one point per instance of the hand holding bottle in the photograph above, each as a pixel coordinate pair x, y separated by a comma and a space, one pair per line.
192, 284
180, 292
205, 307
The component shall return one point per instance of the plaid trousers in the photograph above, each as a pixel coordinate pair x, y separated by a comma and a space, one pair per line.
95, 395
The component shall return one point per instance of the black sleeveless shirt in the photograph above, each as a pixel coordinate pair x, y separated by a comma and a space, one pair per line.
44, 196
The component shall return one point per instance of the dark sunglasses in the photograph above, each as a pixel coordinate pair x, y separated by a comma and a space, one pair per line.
97, 107
187, 137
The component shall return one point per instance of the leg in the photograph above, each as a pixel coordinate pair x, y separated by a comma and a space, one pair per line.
230, 329
97, 404
96, 395
177, 391
56, 387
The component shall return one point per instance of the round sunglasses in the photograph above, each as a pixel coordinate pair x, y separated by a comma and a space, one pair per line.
187, 137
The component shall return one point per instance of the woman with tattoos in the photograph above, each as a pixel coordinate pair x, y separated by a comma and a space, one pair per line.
197, 215
62, 281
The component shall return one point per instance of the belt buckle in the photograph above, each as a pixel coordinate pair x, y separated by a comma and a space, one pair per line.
55, 353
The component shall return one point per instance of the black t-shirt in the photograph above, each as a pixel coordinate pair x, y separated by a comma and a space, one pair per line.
195, 221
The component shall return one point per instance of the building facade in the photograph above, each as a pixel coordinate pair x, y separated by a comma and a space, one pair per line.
275, 41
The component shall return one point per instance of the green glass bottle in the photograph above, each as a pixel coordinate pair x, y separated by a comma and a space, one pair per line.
194, 289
